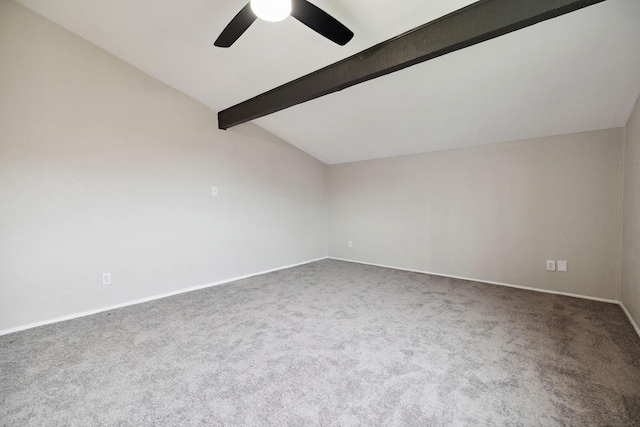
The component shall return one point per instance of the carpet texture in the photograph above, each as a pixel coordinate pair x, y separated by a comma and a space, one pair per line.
332, 344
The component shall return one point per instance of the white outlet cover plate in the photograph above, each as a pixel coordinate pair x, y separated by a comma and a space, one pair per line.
106, 279
551, 265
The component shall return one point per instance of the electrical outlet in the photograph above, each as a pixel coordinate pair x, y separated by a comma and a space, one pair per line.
562, 266
349, 244
551, 265
106, 279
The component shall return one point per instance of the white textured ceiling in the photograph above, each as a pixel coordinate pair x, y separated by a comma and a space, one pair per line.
574, 73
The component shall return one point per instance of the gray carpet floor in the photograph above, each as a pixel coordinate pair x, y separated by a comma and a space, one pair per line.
332, 344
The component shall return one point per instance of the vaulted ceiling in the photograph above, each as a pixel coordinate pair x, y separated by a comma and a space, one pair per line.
574, 73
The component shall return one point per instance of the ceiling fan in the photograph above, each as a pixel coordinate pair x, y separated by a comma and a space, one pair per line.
277, 10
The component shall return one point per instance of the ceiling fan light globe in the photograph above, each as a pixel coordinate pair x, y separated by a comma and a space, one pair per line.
271, 10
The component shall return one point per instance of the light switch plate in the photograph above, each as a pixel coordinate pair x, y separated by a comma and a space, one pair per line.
562, 266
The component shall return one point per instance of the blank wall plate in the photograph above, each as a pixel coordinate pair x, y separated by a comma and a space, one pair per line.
551, 265
562, 266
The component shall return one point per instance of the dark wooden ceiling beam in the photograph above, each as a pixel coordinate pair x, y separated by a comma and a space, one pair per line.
478, 22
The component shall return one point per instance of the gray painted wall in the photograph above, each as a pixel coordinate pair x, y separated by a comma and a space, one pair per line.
104, 169
494, 213
630, 280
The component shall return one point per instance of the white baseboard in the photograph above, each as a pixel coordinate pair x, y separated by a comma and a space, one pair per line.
221, 282
151, 298
611, 301
633, 322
